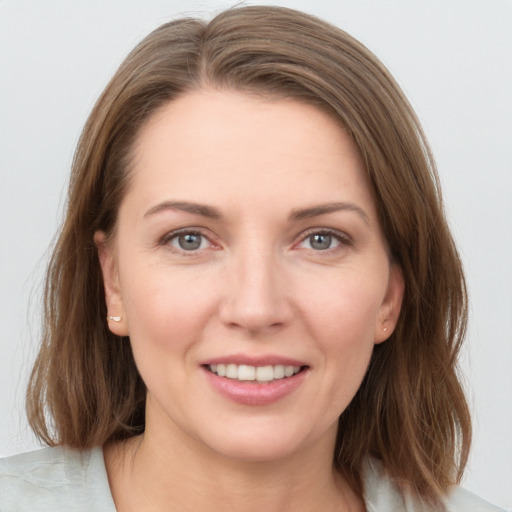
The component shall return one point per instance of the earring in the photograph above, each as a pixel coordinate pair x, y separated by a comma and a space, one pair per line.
385, 329
114, 318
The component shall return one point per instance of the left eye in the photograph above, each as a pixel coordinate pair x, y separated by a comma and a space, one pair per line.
320, 241
189, 241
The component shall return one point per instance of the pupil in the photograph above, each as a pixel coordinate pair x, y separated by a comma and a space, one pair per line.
320, 242
190, 241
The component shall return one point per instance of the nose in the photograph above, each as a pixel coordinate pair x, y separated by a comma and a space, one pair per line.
256, 293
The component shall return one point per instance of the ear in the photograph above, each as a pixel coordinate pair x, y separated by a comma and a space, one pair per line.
113, 296
391, 306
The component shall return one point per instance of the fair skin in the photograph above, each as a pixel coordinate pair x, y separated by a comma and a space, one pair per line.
248, 236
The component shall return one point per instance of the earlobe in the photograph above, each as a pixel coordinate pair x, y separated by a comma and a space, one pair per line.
113, 297
391, 306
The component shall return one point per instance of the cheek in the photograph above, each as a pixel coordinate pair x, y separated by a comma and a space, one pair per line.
342, 324
166, 308
344, 312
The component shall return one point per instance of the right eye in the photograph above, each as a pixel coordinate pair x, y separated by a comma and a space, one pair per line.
188, 241
322, 241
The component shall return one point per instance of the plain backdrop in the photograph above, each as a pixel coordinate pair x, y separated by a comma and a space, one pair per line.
453, 60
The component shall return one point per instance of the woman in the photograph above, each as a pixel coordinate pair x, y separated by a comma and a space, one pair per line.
255, 301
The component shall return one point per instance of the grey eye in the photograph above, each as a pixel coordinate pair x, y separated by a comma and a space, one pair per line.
188, 241
320, 241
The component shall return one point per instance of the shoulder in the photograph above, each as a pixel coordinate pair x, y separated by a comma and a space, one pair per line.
382, 495
56, 478
462, 500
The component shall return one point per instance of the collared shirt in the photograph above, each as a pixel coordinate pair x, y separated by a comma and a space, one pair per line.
61, 479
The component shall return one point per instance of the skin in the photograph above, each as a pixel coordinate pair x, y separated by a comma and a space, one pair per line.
258, 285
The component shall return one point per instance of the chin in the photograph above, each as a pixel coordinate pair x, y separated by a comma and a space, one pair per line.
256, 451
269, 444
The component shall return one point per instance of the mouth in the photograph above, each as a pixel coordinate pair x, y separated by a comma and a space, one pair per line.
256, 374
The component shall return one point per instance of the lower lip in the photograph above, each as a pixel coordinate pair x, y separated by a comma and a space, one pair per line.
253, 392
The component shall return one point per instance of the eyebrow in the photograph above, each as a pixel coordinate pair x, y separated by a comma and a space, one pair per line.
324, 209
295, 215
185, 206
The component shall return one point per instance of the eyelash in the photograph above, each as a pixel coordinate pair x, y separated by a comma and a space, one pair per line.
167, 239
343, 240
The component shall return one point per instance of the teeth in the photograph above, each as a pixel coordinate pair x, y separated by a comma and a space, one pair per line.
258, 373
278, 371
264, 373
246, 372
232, 371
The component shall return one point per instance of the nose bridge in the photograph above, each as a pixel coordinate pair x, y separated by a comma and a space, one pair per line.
256, 298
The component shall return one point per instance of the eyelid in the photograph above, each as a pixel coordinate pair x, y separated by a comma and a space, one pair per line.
165, 239
343, 238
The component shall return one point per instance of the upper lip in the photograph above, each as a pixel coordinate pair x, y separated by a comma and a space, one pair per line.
260, 360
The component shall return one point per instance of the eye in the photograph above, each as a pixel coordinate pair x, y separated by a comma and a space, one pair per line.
188, 241
323, 240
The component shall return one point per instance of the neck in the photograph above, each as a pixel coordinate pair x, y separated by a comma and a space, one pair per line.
150, 473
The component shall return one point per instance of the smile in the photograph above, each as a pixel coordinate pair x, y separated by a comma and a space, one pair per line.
245, 372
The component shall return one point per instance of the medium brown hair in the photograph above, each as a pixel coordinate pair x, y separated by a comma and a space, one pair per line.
410, 411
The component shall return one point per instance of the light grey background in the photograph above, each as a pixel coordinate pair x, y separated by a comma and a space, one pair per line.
452, 58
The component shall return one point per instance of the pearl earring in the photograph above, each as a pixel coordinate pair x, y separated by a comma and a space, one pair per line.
114, 318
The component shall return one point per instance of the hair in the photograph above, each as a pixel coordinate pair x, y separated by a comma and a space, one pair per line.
410, 411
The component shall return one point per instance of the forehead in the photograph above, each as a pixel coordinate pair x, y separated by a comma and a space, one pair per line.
209, 143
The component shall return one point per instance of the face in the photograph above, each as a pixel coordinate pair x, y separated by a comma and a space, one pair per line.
250, 272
